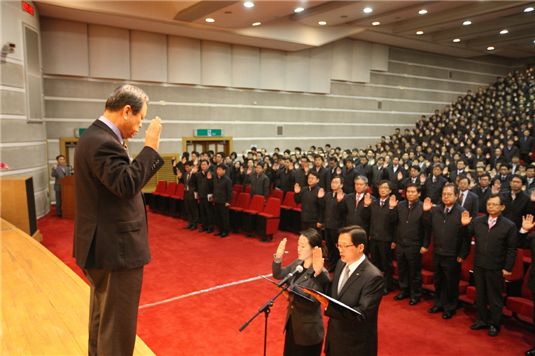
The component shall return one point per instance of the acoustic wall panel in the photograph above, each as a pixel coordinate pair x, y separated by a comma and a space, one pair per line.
109, 52
216, 64
379, 57
245, 67
184, 60
272, 69
320, 69
65, 47
361, 62
342, 60
297, 70
148, 56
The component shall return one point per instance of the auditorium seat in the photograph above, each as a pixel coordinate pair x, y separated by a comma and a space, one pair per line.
522, 306
236, 211
234, 200
163, 200
267, 222
286, 211
277, 193
295, 218
248, 221
160, 189
176, 201
248, 189
238, 188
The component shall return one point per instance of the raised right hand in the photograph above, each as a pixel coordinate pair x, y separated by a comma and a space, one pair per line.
428, 204
152, 135
280, 250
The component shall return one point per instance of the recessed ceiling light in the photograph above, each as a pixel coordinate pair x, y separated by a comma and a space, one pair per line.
490, 48
322, 23
209, 19
257, 23
529, 9
467, 23
419, 33
248, 4
456, 40
533, 41
367, 10
504, 31
376, 23
422, 12
299, 9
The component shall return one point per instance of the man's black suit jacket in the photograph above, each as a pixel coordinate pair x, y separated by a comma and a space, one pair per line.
110, 226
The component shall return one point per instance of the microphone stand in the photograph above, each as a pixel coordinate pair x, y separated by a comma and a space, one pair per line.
266, 308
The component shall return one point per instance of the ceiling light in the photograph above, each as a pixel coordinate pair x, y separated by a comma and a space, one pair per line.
533, 41
504, 31
422, 12
367, 10
419, 33
257, 23
248, 4
322, 23
299, 9
376, 23
529, 9
209, 19
490, 48
456, 40
467, 23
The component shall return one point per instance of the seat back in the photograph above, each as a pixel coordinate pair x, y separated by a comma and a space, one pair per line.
171, 187
234, 198
248, 188
273, 207
468, 265
526, 292
179, 191
289, 199
518, 269
277, 193
257, 203
161, 186
237, 188
243, 200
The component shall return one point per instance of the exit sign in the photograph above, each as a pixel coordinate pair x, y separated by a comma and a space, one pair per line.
208, 132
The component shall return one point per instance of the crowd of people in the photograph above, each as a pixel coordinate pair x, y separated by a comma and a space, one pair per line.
463, 174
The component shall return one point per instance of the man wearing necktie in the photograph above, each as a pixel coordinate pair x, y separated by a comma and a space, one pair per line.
494, 257
354, 210
451, 246
468, 199
59, 171
358, 284
188, 178
331, 218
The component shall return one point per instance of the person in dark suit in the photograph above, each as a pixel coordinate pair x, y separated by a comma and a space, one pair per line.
110, 228
190, 199
411, 240
309, 197
355, 211
321, 172
358, 284
526, 146
304, 324
301, 173
222, 200
494, 257
205, 190
396, 173
382, 218
414, 177
259, 181
349, 174
285, 176
459, 172
378, 173
467, 199
530, 178
451, 246
332, 218
434, 184
517, 202
483, 192
527, 239
59, 171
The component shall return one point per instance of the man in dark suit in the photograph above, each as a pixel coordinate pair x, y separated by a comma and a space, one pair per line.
530, 178
483, 191
205, 190
358, 284
349, 175
396, 173
354, 209
309, 197
517, 202
526, 145
301, 173
411, 240
259, 181
451, 246
59, 171
332, 218
190, 199
434, 184
285, 176
459, 172
382, 218
222, 200
527, 238
467, 199
378, 173
494, 258
321, 172
110, 229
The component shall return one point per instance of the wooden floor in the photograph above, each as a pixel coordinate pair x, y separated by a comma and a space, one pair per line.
45, 305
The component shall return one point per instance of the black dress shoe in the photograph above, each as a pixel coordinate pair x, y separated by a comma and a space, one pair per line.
478, 325
435, 309
493, 331
447, 315
193, 227
224, 234
414, 301
530, 352
218, 233
188, 227
401, 296
386, 291
209, 231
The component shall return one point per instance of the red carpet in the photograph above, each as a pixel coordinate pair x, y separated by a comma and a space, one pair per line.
189, 322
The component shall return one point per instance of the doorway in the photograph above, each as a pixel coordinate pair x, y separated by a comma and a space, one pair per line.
205, 144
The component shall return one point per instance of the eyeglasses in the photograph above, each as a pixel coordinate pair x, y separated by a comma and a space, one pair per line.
343, 247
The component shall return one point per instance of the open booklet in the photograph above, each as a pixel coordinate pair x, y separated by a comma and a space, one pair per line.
319, 295
294, 289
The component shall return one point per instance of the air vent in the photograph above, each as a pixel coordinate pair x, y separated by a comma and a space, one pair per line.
279, 131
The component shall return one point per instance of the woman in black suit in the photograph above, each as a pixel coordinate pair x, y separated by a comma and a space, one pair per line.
304, 323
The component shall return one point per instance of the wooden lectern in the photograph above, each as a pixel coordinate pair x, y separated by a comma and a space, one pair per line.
67, 197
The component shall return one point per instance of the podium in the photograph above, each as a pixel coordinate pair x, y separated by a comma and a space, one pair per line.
68, 197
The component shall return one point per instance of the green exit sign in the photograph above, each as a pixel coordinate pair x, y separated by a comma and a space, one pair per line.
208, 132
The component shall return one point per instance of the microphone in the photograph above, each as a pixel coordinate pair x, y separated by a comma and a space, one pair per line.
298, 269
